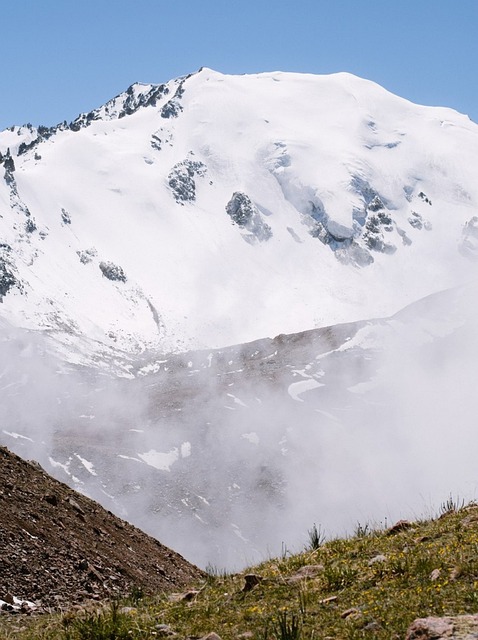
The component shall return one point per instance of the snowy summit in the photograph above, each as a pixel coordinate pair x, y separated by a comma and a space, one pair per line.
217, 209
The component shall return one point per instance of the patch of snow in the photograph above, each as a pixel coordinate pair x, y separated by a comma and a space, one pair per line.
160, 460
59, 465
237, 400
185, 450
16, 436
296, 389
129, 458
251, 437
87, 464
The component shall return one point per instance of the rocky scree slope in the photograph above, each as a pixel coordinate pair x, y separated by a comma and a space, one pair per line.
59, 548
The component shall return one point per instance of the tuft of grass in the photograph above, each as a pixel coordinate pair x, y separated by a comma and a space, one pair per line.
316, 537
213, 572
288, 626
451, 505
115, 622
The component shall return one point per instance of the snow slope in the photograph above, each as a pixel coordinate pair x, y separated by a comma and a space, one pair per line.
215, 209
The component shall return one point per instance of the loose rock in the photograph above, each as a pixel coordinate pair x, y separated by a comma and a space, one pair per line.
446, 628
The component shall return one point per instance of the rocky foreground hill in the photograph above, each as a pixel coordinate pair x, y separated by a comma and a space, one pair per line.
59, 548
410, 581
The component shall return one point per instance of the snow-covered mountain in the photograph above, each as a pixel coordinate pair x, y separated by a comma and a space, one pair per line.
225, 246
216, 209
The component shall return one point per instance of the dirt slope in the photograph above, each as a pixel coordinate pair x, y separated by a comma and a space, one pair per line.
58, 548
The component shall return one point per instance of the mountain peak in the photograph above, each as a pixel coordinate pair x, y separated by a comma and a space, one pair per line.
330, 182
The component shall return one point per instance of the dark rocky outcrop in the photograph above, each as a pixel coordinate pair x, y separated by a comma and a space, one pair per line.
7, 278
355, 244
87, 255
378, 223
374, 220
346, 248
43, 133
9, 166
182, 182
424, 197
173, 107
125, 104
65, 216
365, 190
134, 101
8, 163
112, 271
58, 547
247, 216
240, 208
160, 138
156, 142
417, 221
30, 225
16, 202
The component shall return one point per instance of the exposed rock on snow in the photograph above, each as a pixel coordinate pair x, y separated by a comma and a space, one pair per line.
65, 216
174, 107
87, 255
417, 222
112, 271
7, 278
246, 215
181, 179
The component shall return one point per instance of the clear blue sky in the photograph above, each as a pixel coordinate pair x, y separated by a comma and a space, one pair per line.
63, 57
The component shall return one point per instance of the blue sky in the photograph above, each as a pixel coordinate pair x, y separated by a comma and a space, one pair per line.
63, 57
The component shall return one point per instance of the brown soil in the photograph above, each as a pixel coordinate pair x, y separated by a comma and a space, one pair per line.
59, 548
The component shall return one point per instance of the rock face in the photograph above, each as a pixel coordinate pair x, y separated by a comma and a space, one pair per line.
58, 547
7, 279
453, 628
246, 215
112, 271
173, 107
181, 179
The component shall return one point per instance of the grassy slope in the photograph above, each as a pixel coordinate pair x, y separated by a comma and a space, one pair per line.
370, 585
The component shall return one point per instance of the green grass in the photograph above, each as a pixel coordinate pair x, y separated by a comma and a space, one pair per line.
371, 585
